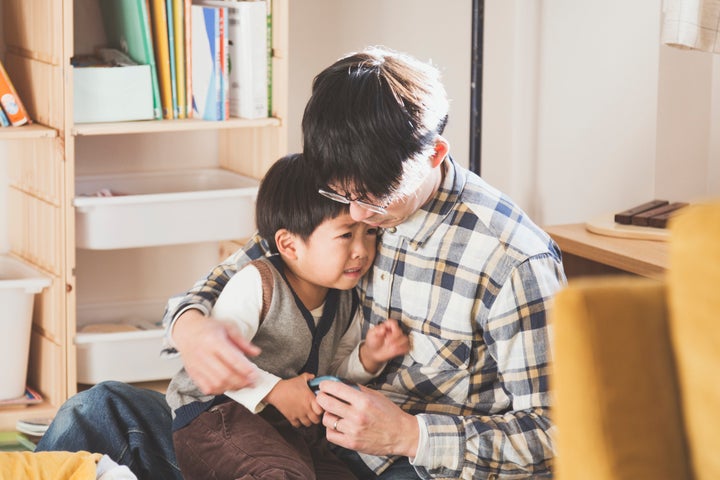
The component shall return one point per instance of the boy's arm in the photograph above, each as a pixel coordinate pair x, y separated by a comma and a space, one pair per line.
361, 361
294, 399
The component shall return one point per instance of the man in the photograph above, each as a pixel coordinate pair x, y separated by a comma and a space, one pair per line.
459, 266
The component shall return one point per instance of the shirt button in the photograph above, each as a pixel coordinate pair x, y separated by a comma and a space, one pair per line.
392, 229
383, 276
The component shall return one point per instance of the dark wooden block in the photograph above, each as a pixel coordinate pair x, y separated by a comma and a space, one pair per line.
625, 218
661, 220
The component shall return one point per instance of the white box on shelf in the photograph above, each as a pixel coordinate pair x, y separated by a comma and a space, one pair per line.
112, 94
163, 208
126, 356
18, 285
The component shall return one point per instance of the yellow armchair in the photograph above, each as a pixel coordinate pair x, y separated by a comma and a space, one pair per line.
636, 373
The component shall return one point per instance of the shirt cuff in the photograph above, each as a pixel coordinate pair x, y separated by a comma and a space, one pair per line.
356, 370
252, 397
422, 456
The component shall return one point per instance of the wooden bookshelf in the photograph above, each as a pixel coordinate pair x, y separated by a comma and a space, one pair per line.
40, 42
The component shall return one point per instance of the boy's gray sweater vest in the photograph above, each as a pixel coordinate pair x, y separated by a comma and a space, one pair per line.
283, 336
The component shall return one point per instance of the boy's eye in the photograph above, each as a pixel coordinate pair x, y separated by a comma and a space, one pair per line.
346, 235
372, 231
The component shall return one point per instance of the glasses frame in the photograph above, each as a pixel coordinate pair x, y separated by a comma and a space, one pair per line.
347, 201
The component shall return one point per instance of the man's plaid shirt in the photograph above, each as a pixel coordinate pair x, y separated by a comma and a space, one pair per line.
470, 278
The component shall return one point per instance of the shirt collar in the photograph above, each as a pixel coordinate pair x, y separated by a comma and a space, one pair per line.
421, 224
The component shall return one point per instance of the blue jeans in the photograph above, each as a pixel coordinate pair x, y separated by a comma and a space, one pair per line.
131, 425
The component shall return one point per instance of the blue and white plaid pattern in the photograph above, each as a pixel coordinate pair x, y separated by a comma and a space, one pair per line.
470, 278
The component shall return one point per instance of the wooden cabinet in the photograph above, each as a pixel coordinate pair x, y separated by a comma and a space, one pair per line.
44, 159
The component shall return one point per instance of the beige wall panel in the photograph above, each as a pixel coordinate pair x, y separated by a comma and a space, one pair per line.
47, 369
40, 87
251, 151
32, 27
36, 168
37, 231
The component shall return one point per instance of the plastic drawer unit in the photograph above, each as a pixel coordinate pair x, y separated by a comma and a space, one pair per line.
163, 208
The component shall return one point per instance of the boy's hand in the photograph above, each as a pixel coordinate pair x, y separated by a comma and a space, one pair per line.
294, 399
383, 342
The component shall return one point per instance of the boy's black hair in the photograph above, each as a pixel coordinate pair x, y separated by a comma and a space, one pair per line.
368, 113
288, 198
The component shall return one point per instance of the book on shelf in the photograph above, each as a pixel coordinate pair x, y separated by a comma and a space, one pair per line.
10, 101
35, 427
171, 52
179, 46
127, 26
224, 66
159, 22
30, 397
207, 64
247, 43
188, 59
4, 121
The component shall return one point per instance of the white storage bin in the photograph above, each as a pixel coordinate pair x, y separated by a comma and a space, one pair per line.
163, 208
132, 356
18, 285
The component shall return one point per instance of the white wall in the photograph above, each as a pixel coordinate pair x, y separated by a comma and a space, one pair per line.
586, 113
321, 31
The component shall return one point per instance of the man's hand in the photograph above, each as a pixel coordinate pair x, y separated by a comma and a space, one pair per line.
383, 342
214, 353
366, 421
294, 399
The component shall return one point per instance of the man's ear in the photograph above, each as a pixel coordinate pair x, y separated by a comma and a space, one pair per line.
442, 147
285, 241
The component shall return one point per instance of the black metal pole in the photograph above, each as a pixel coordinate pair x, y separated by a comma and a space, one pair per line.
478, 17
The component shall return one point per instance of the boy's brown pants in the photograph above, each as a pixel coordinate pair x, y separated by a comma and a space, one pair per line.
229, 442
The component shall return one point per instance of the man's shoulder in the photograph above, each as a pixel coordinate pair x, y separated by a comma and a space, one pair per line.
499, 217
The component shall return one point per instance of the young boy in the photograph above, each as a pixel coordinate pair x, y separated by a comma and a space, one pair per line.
298, 305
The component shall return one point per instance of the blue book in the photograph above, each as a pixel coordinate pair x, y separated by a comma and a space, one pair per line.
207, 69
4, 121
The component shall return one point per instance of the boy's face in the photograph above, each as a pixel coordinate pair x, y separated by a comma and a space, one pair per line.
337, 253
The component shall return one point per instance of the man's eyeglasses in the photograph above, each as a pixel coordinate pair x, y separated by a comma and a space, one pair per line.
347, 200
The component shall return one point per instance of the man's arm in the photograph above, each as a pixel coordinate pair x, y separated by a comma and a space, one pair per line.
214, 352
518, 441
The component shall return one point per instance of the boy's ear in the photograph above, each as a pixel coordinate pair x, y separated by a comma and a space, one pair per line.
285, 242
442, 147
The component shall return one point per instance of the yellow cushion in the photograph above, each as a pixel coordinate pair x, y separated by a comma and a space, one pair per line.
694, 302
615, 396
49, 465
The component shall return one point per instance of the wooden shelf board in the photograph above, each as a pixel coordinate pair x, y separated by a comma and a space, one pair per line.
159, 126
34, 130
